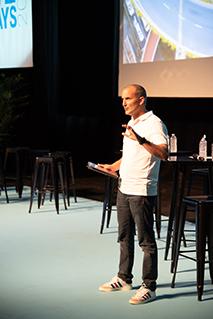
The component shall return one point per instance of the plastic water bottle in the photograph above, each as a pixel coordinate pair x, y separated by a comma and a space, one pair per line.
203, 148
168, 142
173, 143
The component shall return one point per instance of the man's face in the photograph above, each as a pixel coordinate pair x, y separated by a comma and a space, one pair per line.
132, 104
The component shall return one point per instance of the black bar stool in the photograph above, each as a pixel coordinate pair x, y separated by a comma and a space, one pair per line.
109, 192
205, 176
17, 163
203, 208
66, 160
48, 175
157, 212
179, 189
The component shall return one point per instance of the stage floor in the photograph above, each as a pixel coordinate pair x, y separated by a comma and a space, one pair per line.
52, 265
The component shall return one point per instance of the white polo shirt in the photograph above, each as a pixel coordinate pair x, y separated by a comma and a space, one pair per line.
139, 169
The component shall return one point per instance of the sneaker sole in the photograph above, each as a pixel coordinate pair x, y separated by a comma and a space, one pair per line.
138, 302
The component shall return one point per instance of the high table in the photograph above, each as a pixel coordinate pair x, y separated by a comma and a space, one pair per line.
182, 166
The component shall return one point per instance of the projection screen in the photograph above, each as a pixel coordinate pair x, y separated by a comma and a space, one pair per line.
167, 46
15, 33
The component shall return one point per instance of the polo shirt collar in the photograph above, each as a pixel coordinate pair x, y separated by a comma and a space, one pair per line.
142, 117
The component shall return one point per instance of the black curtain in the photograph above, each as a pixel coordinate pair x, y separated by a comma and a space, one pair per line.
75, 103
45, 70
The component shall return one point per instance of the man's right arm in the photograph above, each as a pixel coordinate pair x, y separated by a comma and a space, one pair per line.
114, 167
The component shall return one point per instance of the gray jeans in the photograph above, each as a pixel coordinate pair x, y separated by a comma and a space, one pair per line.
133, 210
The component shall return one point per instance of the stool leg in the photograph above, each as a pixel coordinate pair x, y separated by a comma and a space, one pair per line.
62, 183
103, 218
33, 186
182, 177
178, 244
171, 213
210, 243
157, 212
66, 181
72, 179
42, 184
5, 189
200, 248
109, 208
55, 186
106, 202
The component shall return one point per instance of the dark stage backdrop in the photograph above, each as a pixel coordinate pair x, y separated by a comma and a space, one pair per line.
75, 77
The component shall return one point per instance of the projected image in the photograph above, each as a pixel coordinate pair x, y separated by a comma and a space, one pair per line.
163, 30
16, 43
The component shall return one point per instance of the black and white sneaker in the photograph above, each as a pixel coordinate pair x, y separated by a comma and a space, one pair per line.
143, 295
115, 284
